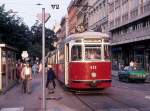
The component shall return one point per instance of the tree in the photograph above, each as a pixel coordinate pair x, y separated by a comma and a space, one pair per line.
50, 37
12, 30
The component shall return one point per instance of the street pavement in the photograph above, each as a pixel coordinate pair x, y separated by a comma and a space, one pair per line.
60, 100
15, 100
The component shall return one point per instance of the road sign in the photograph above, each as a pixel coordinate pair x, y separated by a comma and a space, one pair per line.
39, 17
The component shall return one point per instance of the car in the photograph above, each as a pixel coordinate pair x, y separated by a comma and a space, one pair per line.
129, 74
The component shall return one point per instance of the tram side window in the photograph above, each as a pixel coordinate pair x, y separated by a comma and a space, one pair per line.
76, 53
107, 52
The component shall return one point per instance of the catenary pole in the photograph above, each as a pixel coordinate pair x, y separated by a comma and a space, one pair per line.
43, 59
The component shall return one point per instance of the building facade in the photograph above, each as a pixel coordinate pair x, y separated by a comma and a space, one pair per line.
61, 33
72, 18
82, 13
129, 26
98, 15
127, 22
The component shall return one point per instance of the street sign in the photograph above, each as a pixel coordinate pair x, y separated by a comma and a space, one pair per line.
39, 17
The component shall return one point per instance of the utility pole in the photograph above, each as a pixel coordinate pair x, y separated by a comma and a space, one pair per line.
43, 59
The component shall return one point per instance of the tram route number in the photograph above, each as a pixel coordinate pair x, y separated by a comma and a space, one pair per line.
93, 67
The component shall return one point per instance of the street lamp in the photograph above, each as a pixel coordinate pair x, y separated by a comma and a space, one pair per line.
44, 20
45, 17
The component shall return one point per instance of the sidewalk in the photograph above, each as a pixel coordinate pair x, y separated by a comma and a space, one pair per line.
58, 101
15, 100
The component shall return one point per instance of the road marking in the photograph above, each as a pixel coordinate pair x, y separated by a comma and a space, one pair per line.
119, 109
13, 109
147, 97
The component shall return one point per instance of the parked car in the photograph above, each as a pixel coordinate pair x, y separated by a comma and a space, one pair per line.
129, 74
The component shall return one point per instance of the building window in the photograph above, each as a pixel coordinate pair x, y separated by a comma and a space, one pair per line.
111, 7
134, 12
111, 23
117, 20
100, 5
117, 3
124, 1
125, 17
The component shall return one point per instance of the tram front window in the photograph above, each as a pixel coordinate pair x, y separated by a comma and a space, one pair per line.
76, 53
92, 52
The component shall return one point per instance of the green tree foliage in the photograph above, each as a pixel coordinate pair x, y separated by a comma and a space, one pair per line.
14, 32
50, 37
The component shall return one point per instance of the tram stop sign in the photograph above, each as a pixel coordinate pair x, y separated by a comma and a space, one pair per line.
24, 54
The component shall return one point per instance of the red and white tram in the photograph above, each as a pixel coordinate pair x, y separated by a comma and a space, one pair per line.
82, 61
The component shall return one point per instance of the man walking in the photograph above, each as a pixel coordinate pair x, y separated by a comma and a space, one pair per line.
27, 77
50, 77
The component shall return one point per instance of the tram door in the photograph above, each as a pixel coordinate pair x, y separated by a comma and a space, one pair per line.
66, 63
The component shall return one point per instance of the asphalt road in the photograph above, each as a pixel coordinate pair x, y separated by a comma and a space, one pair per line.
121, 96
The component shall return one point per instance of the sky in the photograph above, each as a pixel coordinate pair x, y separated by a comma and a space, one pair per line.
28, 10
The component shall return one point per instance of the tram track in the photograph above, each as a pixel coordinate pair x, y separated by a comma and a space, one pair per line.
119, 101
85, 103
134, 90
92, 107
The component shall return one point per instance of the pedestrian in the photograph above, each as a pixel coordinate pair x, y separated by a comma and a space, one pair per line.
26, 75
40, 68
50, 77
19, 70
131, 63
34, 69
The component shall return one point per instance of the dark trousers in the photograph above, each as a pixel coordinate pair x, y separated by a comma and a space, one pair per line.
49, 81
26, 85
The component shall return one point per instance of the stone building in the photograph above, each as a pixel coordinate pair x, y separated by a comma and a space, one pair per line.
72, 18
129, 26
98, 15
82, 13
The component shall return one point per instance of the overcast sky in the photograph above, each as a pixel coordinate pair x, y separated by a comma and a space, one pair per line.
27, 9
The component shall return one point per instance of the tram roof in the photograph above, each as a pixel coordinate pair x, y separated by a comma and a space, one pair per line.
86, 34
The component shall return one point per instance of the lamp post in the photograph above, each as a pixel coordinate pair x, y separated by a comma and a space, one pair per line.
45, 17
43, 59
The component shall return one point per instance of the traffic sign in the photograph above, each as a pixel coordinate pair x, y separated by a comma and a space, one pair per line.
39, 17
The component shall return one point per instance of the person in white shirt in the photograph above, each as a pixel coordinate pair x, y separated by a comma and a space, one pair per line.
26, 76
132, 64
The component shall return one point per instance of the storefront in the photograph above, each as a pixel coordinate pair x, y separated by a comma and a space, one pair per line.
7, 67
136, 51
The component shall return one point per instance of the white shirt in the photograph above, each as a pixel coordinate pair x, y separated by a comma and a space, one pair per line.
132, 64
27, 71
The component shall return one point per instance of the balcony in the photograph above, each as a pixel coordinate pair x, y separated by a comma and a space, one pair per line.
136, 35
135, 14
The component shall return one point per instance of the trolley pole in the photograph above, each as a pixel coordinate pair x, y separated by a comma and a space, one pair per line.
43, 59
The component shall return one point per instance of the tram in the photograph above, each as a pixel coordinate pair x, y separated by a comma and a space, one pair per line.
82, 61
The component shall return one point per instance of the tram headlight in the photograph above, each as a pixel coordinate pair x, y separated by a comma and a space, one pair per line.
93, 74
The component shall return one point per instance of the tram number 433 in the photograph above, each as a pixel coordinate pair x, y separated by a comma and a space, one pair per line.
93, 67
